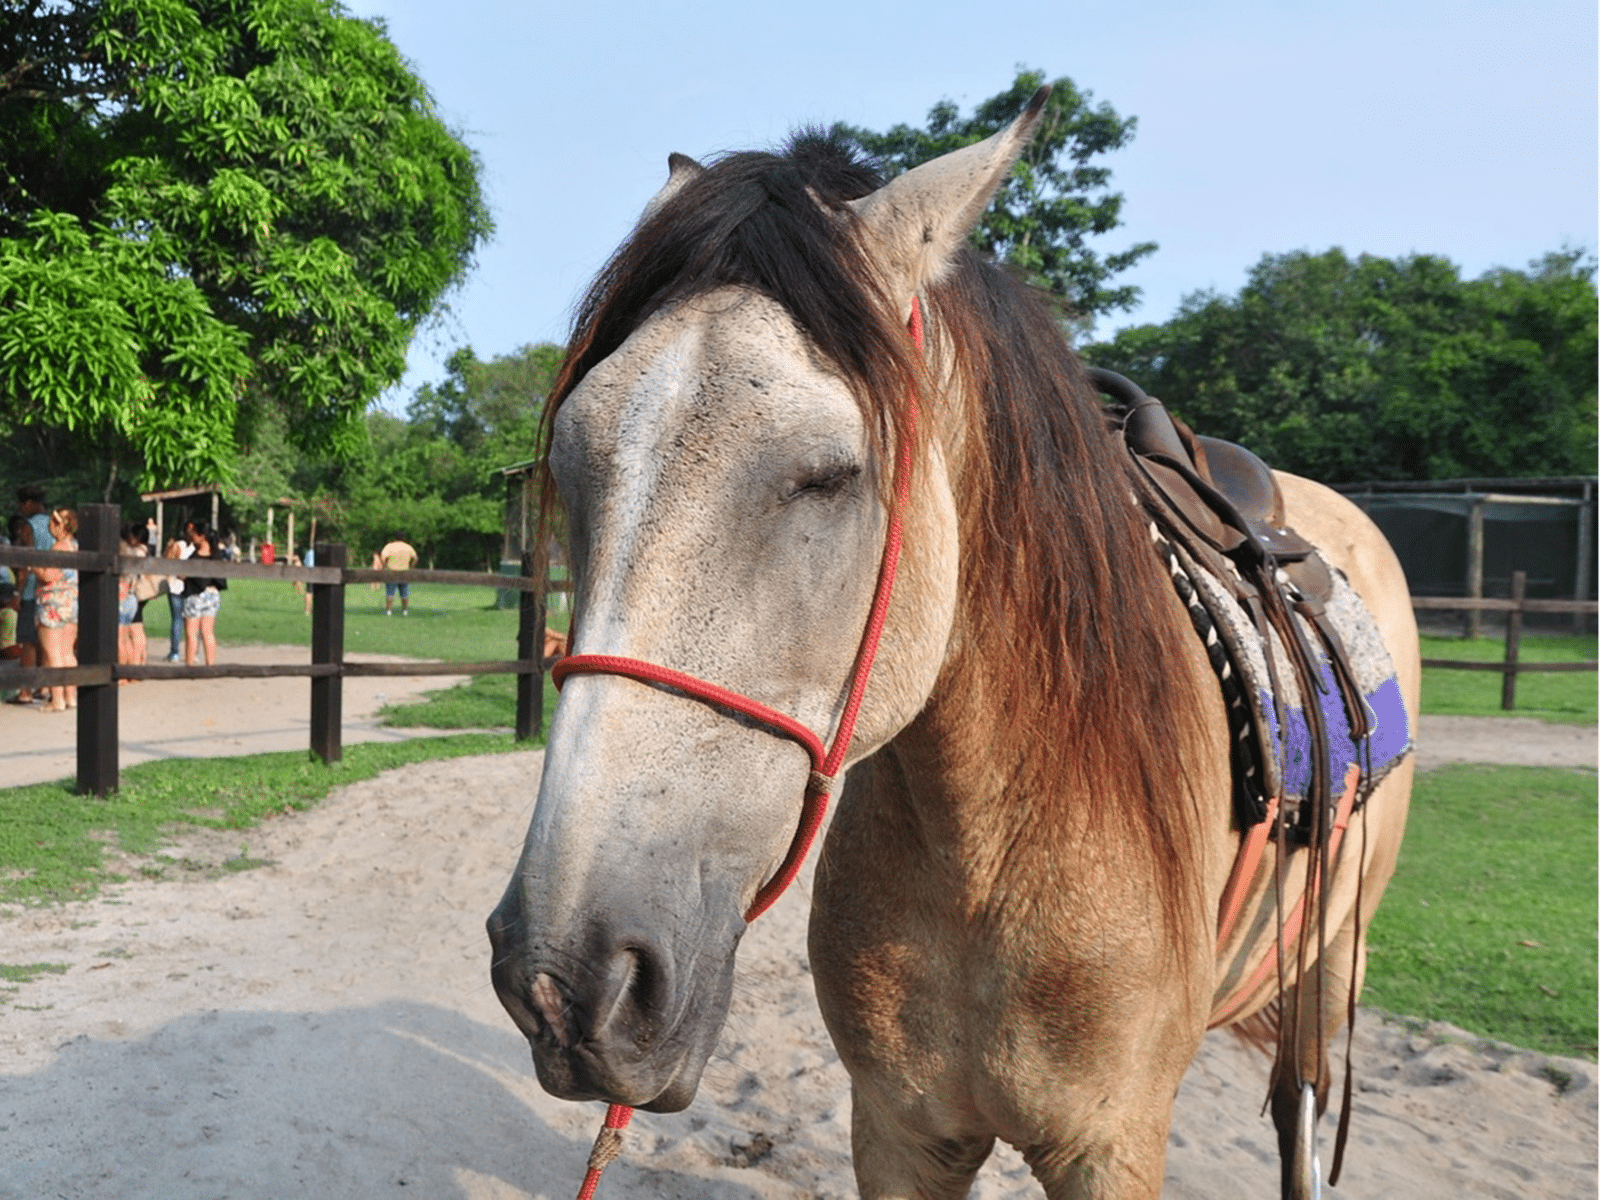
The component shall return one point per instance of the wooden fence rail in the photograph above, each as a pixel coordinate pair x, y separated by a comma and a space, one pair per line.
1511, 665
98, 564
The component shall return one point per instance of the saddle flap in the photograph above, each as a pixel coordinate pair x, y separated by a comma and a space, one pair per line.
1185, 500
1243, 478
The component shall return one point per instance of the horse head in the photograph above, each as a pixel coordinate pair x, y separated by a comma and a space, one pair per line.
724, 441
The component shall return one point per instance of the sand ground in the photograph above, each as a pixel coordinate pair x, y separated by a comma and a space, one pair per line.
324, 1027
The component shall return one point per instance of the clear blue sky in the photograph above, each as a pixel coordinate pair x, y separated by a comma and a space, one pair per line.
1382, 126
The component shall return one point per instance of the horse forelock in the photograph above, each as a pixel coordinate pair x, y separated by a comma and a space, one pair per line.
775, 224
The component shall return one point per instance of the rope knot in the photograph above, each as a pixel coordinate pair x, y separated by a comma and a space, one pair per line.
607, 1149
818, 784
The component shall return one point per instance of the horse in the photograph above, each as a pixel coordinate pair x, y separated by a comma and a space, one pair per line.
791, 382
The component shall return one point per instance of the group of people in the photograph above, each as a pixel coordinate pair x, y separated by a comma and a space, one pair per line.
39, 606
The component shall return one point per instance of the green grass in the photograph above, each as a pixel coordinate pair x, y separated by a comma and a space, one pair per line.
1554, 696
1490, 921
483, 702
54, 844
448, 622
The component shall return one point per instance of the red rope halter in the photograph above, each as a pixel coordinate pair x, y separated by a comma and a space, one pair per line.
825, 764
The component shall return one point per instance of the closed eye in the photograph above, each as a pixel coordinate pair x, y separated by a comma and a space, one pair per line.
825, 483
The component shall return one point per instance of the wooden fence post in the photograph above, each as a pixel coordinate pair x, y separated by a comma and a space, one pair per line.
327, 646
1473, 624
1508, 681
530, 645
99, 529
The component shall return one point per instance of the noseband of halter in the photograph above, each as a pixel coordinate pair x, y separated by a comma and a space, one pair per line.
825, 763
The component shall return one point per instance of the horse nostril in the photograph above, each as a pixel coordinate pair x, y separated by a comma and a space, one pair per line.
644, 981
552, 1007
642, 997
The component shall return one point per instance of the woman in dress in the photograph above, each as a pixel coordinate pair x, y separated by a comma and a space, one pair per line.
57, 618
202, 597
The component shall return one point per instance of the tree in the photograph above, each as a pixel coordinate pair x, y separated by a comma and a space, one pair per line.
1052, 202
496, 401
213, 207
435, 475
1351, 369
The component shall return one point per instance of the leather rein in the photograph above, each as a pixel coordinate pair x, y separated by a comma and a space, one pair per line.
825, 762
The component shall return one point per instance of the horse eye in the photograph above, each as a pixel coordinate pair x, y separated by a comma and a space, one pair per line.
827, 482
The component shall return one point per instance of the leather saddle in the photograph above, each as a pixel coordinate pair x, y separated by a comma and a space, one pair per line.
1221, 503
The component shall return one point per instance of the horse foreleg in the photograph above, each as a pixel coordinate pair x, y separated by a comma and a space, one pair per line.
893, 1163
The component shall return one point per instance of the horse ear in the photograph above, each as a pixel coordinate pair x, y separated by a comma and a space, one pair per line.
916, 222
680, 170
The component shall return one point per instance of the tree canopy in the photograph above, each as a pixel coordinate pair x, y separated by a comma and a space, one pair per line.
1054, 200
210, 209
1350, 369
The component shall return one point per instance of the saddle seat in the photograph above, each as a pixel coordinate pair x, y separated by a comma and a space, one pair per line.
1242, 477
1224, 492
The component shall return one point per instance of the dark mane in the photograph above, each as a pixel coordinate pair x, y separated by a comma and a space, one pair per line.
1060, 583
1065, 606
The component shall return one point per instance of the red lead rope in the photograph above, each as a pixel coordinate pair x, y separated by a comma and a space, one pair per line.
824, 765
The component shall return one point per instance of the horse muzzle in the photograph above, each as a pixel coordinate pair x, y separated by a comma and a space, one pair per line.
612, 1016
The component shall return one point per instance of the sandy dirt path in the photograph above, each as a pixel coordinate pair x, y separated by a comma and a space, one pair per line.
324, 1027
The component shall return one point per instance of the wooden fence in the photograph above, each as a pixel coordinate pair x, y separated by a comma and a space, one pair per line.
98, 672
1512, 665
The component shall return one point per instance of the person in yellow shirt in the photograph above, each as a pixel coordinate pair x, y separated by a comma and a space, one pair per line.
397, 556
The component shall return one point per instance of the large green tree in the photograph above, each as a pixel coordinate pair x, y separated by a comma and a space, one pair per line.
1349, 369
1053, 202
209, 208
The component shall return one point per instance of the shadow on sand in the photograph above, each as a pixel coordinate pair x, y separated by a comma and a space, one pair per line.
398, 1099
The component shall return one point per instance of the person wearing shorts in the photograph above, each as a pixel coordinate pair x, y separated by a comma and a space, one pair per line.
130, 608
34, 531
57, 608
397, 556
202, 600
